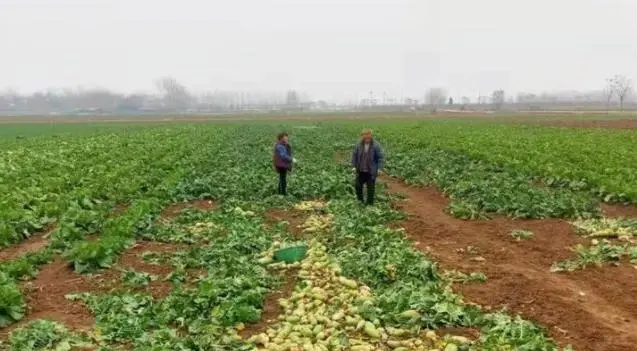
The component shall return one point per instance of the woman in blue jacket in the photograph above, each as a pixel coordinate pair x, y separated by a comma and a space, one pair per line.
282, 160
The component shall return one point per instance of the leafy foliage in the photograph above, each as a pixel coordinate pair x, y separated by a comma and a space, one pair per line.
12, 306
477, 188
598, 253
42, 335
413, 282
599, 161
76, 180
136, 279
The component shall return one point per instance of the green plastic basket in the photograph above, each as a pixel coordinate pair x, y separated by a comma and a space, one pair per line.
290, 254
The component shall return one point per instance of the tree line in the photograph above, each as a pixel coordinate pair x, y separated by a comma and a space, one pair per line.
172, 96
618, 89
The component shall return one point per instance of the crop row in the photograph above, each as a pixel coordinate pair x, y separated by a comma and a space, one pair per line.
86, 207
171, 164
477, 187
405, 279
601, 162
407, 293
231, 291
232, 165
51, 178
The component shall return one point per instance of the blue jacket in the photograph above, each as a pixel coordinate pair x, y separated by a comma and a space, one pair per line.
377, 158
282, 156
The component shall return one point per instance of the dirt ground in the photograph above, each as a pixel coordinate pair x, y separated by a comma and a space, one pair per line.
593, 309
271, 307
294, 219
175, 209
45, 295
31, 244
131, 260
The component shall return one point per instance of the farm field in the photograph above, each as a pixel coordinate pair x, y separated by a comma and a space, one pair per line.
487, 236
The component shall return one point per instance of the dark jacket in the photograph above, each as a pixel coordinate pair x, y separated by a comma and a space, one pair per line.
282, 156
377, 158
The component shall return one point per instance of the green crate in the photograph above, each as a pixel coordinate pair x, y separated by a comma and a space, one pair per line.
290, 254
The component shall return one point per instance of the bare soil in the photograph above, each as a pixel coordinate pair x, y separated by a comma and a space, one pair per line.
615, 210
593, 309
45, 297
293, 217
131, 260
175, 209
30, 244
271, 307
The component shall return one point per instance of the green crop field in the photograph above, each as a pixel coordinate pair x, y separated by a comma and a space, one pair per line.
160, 236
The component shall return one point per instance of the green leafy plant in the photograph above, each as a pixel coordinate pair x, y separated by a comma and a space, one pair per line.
597, 254
43, 335
12, 306
464, 278
136, 279
520, 234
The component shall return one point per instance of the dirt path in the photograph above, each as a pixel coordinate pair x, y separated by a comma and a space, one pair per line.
594, 309
292, 217
31, 244
271, 306
45, 298
174, 210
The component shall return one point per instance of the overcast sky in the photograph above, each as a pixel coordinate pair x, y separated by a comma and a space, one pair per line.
329, 48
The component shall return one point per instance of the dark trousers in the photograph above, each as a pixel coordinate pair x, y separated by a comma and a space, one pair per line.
283, 182
364, 178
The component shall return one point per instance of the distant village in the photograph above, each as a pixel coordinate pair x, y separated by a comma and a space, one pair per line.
173, 98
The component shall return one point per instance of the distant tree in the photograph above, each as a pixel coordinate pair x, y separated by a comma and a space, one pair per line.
175, 95
450, 101
621, 86
498, 98
292, 99
133, 102
608, 91
435, 97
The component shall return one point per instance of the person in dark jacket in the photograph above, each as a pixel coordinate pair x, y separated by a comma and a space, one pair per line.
368, 161
283, 160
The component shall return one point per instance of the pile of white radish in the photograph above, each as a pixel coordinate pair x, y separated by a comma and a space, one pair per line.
321, 315
316, 223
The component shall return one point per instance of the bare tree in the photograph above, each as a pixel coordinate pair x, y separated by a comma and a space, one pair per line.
498, 98
608, 91
621, 86
175, 95
292, 99
435, 98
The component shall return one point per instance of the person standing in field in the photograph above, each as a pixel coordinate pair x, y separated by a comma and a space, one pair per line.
367, 160
283, 160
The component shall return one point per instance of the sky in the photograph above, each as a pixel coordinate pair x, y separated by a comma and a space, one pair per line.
332, 49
